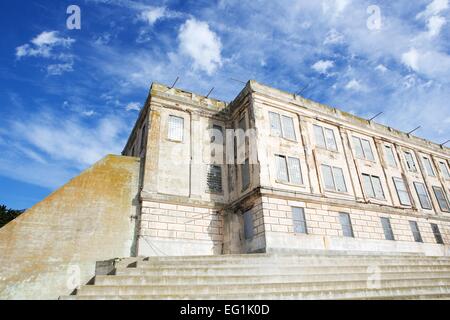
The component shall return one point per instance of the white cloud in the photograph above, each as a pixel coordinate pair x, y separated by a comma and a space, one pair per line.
434, 8
43, 44
152, 15
133, 106
60, 68
382, 68
333, 37
201, 44
88, 113
411, 59
435, 24
322, 66
49, 45
354, 85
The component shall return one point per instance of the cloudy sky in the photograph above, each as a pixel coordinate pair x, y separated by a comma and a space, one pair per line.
68, 97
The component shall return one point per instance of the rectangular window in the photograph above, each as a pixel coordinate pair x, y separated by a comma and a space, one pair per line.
319, 137
346, 224
390, 158
415, 231
288, 169
333, 179
410, 161
288, 128
298, 217
248, 225
214, 178
275, 124
423, 195
437, 233
363, 150
372, 186
388, 234
330, 139
282, 174
283, 127
295, 173
441, 198
444, 170
176, 127
245, 174
428, 166
325, 138
402, 192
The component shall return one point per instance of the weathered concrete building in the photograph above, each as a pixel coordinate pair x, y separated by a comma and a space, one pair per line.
268, 172
304, 176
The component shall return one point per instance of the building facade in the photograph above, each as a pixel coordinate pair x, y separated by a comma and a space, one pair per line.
273, 171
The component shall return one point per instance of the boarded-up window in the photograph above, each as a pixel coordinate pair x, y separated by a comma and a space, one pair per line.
441, 198
415, 231
437, 233
214, 178
387, 229
288, 128
423, 195
346, 225
176, 127
298, 218
402, 192
248, 225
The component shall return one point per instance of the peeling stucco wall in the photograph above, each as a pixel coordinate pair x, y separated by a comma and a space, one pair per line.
89, 219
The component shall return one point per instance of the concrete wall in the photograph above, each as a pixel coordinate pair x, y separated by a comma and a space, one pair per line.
91, 218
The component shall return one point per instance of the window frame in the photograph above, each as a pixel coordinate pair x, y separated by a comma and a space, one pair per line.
302, 223
346, 232
371, 178
280, 119
387, 228
249, 225
444, 198
395, 179
333, 176
414, 226
171, 138
427, 161
391, 152
287, 165
208, 172
359, 142
325, 145
437, 233
446, 172
413, 162
416, 183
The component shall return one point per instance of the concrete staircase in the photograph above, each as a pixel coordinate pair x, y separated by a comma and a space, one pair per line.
282, 276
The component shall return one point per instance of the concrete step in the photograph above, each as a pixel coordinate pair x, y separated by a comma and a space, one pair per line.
257, 288
424, 292
263, 270
214, 279
299, 262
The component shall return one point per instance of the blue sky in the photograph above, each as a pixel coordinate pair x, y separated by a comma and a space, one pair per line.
68, 97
